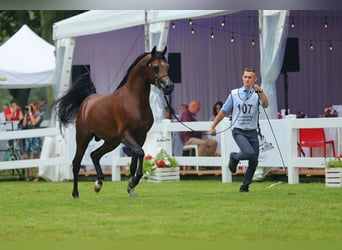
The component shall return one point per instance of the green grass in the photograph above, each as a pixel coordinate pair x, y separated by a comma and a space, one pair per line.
205, 210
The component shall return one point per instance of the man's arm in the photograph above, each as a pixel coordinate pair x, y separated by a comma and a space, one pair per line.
216, 121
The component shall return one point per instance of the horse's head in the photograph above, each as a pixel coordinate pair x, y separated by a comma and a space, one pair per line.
157, 71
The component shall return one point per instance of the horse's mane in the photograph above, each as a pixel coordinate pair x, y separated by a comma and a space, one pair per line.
124, 80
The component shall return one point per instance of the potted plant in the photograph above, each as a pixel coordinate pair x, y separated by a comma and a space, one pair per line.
333, 172
160, 168
164, 168
330, 112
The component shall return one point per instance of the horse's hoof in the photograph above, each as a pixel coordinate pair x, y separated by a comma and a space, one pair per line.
98, 186
75, 195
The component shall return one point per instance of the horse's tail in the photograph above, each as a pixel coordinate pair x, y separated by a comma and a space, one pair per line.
68, 105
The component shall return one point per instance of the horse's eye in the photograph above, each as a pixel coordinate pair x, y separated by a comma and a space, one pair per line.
155, 68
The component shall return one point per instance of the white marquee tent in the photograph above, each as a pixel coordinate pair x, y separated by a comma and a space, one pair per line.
26, 61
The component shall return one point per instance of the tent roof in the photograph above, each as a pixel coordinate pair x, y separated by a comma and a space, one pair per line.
98, 21
26, 61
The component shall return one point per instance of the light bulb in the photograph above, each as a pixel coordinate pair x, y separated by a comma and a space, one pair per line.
311, 46
325, 23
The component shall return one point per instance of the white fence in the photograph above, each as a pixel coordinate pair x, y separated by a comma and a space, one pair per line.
278, 149
166, 128
58, 158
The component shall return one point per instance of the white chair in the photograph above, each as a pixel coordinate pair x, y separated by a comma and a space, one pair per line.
191, 148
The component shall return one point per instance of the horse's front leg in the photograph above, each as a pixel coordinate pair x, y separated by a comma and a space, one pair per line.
96, 156
136, 171
75, 169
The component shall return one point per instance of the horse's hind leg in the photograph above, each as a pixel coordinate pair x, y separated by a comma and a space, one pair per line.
96, 156
76, 162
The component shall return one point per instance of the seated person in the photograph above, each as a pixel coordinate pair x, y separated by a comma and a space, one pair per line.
206, 146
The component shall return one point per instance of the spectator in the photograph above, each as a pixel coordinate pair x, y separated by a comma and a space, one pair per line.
206, 146
32, 146
16, 113
5, 112
216, 108
182, 108
42, 106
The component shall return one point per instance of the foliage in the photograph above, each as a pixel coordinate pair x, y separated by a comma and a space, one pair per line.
162, 160
334, 163
195, 210
330, 112
11, 21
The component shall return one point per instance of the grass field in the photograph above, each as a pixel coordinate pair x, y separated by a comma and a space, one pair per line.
186, 210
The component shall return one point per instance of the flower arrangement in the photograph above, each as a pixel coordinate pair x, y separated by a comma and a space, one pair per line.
330, 112
162, 160
334, 163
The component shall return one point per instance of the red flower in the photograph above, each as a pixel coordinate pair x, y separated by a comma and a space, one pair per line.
148, 157
160, 164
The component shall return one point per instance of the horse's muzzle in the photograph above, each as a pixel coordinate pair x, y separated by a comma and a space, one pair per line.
168, 88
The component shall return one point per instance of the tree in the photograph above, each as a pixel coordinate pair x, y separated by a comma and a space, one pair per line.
41, 22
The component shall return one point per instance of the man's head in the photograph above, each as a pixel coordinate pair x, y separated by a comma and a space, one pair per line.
194, 106
249, 77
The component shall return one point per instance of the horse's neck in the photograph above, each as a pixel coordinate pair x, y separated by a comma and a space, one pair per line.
138, 85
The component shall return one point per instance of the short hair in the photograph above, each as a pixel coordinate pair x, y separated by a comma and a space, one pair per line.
249, 69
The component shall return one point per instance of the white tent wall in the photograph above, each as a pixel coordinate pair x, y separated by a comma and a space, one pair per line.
110, 56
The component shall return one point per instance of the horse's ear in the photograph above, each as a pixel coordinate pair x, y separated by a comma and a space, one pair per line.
164, 51
153, 52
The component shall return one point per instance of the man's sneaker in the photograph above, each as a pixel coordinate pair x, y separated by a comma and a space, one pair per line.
244, 189
232, 163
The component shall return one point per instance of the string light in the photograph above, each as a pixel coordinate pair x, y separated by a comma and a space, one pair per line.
330, 46
232, 38
311, 45
253, 41
325, 23
224, 21
212, 36
292, 23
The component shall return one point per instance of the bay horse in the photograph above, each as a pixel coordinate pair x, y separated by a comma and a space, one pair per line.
123, 116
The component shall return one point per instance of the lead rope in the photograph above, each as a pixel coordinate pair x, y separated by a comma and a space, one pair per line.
175, 116
268, 120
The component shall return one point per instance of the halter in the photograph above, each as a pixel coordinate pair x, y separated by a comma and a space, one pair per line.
157, 80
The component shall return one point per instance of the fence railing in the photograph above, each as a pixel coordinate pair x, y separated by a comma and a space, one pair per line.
56, 159
277, 149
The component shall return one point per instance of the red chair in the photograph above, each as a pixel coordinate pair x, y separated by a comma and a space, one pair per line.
314, 138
